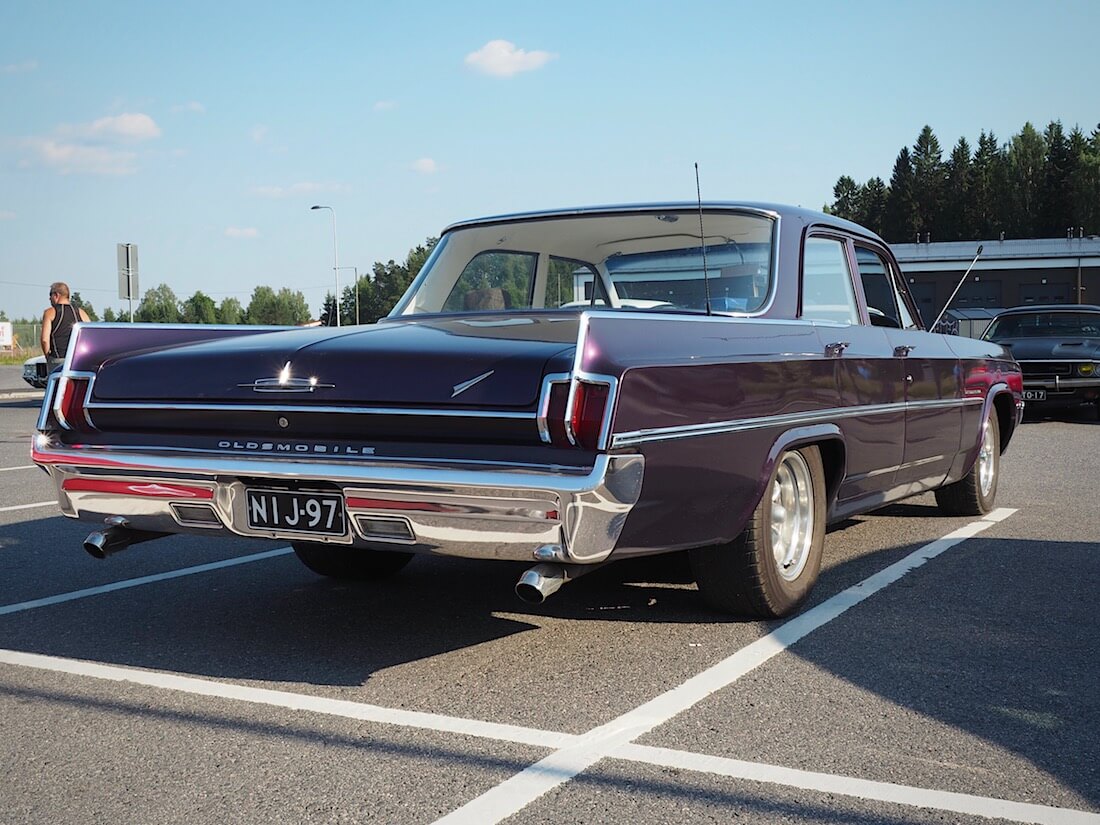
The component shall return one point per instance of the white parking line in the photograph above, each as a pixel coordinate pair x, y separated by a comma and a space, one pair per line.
138, 582
293, 701
50, 503
614, 740
21, 467
515, 794
860, 788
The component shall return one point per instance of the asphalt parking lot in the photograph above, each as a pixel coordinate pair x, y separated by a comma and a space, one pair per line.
946, 670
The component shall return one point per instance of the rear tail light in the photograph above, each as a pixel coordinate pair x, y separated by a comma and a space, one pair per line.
586, 421
69, 406
574, 412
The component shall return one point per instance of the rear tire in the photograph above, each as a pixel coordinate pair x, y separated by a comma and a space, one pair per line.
974, 493
350, 563
770, 568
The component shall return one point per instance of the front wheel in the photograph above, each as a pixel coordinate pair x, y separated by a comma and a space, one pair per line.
769, 569
354, 563
973, 494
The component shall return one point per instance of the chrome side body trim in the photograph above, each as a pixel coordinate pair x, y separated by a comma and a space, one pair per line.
231, 407
630, 439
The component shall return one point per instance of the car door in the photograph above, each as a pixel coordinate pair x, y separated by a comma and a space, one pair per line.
869, 378
932, 381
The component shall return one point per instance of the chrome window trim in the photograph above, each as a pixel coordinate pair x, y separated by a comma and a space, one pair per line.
634, 437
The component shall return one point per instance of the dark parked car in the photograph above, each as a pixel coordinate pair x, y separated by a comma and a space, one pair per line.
566, 388
1058, 348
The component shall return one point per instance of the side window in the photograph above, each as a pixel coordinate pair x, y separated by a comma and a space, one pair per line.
827, 293
884, 305
569, 282
494, 281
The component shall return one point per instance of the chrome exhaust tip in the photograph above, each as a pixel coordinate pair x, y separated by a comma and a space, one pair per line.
540, 582
104, 543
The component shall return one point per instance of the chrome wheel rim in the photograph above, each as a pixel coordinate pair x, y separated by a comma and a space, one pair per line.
792, 515
987, 461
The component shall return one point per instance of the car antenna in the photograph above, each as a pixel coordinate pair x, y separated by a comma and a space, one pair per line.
958, 286
702, 237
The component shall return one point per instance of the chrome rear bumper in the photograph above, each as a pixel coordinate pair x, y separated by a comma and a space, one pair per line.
471, 511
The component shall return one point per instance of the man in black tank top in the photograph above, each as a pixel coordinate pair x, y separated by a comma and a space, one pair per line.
57, 325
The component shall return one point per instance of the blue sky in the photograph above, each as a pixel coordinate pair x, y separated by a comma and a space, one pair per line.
203, 132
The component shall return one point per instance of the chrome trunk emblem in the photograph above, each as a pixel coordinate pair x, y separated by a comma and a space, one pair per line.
458, 389
284, 383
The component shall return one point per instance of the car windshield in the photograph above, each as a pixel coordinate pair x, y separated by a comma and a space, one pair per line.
1045, 324
634, 260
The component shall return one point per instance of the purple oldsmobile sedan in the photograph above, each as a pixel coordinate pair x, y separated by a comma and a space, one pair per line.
564, 388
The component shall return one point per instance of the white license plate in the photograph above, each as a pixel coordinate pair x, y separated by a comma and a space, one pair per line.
286, 511
1035, 395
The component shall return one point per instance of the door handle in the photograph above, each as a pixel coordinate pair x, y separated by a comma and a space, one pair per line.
903, 351
837, 349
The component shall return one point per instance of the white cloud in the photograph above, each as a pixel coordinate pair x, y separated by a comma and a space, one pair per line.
425, 166
258, 133
241, 232
68, 157
502, 58
302, 188
19, 68
7, 215
385, 105
128, 126
191, 106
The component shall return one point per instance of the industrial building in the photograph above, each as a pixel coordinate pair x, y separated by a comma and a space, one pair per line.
1009, 273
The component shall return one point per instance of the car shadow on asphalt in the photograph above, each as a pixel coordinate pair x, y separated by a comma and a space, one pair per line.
993, 638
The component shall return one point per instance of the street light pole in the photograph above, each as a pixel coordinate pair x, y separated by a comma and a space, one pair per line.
335, 259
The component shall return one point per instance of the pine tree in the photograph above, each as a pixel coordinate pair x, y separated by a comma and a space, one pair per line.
1055, 191
985, 217
954, 224
845, 199
872, 204
929, 179
1026, 156
899, 221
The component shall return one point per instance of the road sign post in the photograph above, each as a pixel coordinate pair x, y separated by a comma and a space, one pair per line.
128, 274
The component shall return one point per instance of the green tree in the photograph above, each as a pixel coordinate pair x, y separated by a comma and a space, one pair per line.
929, 179
80, 303
158, 306
199, 309
955, 214
230, 311
284, 308
1056, 213
390, 280
872, 204
987, 183
109, 315
845, 199
328, 310
899, 223
1026, 158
